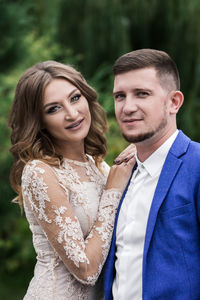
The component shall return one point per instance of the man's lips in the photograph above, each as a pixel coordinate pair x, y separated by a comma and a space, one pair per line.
75, 124
131, 120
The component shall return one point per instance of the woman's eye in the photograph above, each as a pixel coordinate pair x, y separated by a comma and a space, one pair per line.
52, 109
75, 97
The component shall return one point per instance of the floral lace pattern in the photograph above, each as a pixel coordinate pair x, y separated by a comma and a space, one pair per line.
71, 218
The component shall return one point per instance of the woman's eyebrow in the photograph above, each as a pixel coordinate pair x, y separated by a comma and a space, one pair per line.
55, 102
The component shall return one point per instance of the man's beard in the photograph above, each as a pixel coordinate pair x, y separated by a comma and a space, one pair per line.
139, 137
145, 136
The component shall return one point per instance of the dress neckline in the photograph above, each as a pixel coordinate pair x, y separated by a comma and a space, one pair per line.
77, 162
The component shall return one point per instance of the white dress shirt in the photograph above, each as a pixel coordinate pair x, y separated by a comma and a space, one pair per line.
132, 222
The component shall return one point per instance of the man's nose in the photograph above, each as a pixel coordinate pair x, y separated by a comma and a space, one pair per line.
130, 105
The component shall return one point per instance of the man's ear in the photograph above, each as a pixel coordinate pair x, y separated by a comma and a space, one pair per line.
176, 101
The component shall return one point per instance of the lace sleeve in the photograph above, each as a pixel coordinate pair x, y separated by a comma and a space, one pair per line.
50, 204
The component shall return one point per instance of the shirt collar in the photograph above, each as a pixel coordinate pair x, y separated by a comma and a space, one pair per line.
154, 163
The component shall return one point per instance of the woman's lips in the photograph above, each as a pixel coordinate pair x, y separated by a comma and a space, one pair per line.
75, 124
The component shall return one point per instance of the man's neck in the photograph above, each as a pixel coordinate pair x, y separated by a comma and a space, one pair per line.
148, 147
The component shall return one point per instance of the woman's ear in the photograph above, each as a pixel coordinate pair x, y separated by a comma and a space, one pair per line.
176, 101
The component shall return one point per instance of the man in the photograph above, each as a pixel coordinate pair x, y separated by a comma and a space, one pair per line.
155, 251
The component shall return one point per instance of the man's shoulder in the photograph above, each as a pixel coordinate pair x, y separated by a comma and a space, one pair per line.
187, 152
184, 142
195, 144
194, 151
191, 155
185, 149
185, 137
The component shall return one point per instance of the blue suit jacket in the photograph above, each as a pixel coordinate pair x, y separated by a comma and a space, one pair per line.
171, 258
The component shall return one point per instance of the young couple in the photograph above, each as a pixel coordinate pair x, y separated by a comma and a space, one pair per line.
73, 200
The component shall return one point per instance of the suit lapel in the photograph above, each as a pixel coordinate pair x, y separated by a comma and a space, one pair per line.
110, 262
170, 168
169, 171
111, 255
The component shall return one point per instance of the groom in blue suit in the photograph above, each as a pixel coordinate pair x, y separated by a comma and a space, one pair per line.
155, 250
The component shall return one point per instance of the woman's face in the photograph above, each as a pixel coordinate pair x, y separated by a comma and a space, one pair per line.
66, 114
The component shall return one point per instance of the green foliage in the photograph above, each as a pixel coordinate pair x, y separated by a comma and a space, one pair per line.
16, 252
99, 28
14, 24
116, 142
89, 35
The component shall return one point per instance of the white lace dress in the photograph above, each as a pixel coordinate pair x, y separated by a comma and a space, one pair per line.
71, 218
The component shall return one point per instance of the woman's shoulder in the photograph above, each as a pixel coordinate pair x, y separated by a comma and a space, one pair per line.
37, 165
105, 167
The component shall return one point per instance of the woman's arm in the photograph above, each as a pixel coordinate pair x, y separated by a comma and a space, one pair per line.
50, 204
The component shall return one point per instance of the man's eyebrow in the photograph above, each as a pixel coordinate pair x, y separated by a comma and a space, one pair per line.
142, 89
135, 90
117, 92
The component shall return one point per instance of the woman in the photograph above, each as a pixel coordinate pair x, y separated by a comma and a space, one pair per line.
58, 145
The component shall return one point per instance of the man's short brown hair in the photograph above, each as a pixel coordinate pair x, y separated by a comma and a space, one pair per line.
165, 67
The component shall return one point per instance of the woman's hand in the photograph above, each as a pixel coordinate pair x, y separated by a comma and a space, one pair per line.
119, 174
126, 154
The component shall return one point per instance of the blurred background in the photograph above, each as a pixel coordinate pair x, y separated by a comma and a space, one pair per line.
89, 35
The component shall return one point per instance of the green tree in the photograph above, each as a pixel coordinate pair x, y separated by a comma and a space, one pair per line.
100, 31
14, 24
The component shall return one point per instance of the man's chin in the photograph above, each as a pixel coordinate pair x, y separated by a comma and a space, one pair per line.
138, 138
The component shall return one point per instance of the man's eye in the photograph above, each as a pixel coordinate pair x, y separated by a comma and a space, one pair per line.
118, 97
52, 109
75, 97
142, 94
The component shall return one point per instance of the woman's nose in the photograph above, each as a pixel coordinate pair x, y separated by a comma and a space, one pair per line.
71, 114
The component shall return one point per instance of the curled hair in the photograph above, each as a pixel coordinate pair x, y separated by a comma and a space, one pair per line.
165, 67
29, 139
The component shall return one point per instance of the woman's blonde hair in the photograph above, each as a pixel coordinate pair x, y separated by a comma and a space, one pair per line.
29, 139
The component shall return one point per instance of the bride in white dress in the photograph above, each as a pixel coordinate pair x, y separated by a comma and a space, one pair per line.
68, 193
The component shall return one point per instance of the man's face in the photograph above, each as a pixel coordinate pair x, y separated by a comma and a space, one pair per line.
142, 106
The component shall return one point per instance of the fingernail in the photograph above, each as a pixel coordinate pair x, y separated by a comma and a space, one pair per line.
125, 159
116, 161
